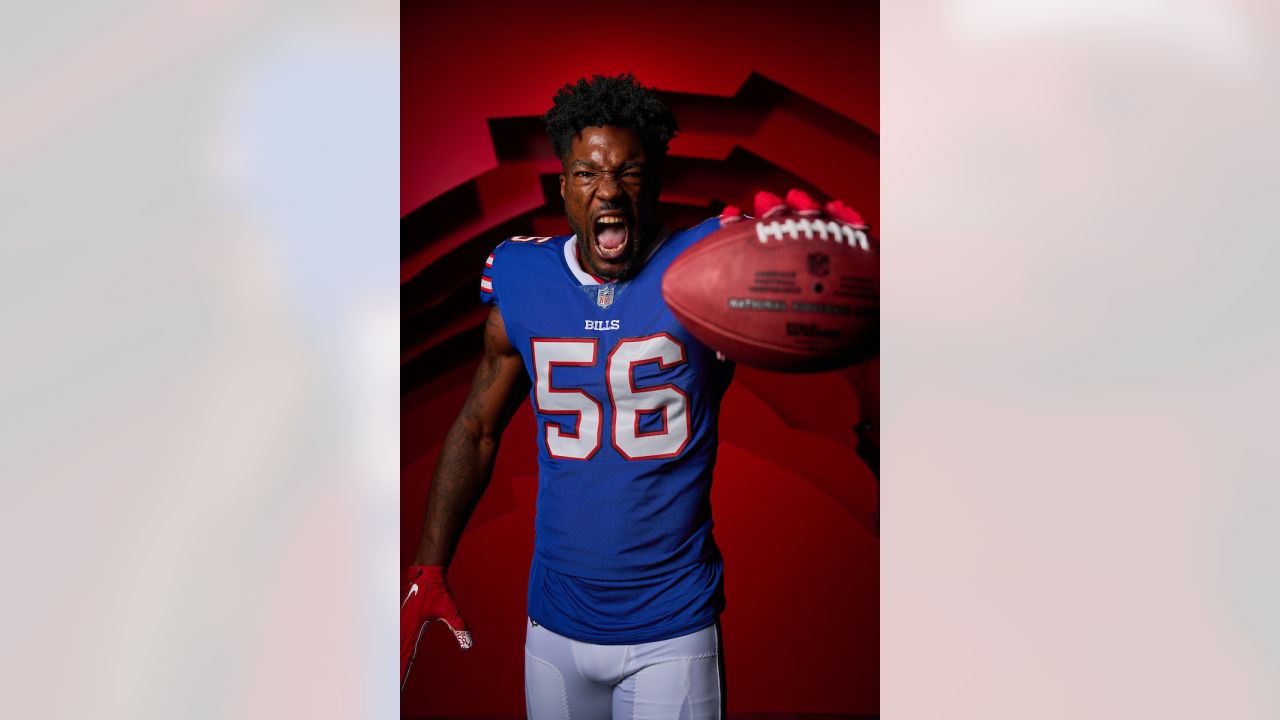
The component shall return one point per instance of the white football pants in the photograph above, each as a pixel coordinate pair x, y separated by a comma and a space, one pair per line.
663, 680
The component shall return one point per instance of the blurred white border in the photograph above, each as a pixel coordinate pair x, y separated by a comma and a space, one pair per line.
201, 253
1079, 485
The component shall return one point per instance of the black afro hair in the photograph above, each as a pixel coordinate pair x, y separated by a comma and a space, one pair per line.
618, 100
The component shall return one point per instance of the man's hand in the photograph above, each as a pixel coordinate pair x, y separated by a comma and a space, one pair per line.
427, 598
767, 205
799, 202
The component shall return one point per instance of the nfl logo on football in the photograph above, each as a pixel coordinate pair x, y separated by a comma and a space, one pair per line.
604, 296
819, 264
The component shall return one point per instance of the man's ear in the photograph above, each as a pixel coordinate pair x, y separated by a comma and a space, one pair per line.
561, 186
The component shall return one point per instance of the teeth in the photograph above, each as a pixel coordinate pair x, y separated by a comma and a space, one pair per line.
610, 221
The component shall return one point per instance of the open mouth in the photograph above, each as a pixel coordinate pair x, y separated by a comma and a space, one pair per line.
612, 235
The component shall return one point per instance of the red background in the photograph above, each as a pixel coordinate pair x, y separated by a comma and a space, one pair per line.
774, 99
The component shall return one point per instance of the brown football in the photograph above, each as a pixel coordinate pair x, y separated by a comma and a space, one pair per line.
792, 292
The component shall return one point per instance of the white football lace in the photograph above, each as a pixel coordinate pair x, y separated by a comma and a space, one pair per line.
825, 229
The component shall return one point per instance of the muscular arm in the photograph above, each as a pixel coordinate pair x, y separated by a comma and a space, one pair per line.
470, 448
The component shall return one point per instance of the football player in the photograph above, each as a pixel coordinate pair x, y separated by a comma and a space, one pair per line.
625, 586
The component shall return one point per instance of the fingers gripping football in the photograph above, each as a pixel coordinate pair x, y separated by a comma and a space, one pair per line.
730, 214
767, 205
800, 202
844, 213
427, 598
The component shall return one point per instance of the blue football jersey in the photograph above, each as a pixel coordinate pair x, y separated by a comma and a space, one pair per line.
626, 403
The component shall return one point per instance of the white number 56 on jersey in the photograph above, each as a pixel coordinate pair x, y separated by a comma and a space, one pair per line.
629, 402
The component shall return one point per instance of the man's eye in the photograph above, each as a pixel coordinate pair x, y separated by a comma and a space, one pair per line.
582, 174
633, 176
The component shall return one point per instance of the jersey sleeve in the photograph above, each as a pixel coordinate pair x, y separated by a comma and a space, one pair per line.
488, 285
683, 239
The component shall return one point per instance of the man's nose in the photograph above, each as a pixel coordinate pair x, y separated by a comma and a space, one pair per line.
608, 187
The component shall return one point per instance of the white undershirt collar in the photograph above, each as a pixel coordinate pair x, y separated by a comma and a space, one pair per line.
585, 278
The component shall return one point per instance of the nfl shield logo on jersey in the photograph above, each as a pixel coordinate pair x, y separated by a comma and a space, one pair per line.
604, 296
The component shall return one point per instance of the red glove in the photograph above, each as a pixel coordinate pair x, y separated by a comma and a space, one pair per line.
798, 201
730, 214
427, 598
767, 204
